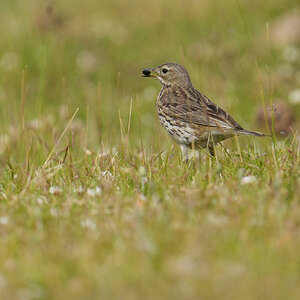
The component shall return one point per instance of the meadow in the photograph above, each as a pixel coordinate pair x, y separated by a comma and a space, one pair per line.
95, 200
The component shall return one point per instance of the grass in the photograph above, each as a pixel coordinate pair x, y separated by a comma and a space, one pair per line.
96, 202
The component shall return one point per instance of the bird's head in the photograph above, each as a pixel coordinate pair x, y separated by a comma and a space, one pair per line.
169, 74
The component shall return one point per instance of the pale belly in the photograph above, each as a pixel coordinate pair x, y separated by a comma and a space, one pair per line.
183, 134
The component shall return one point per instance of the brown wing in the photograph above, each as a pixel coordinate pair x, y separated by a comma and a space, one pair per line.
192, 106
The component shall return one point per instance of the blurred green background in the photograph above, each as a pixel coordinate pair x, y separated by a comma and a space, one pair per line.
91, 53
112, 215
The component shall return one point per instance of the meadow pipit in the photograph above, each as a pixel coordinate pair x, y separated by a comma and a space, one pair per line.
188, 116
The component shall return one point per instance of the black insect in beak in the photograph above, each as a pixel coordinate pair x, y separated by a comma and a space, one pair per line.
148, 72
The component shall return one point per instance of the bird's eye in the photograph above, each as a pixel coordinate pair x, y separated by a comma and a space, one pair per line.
164, 70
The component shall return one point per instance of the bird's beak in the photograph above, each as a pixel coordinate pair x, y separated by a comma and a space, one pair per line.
148, 72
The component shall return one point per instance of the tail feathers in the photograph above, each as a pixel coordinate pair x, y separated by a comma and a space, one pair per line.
248, 132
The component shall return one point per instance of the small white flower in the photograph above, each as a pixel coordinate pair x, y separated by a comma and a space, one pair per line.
41, 200
94, 192
142, 171
114, 150
294, 97
87, 151
33, 124
142, 198
107, 175
248, 180
79, 190
144, 180
88, 223
4, 220
55, 190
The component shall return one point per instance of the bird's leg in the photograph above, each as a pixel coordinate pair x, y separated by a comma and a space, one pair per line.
185, 152
211, 150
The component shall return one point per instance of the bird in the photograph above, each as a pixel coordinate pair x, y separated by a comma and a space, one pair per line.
188, 116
